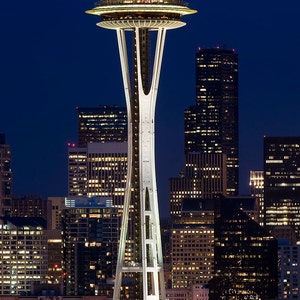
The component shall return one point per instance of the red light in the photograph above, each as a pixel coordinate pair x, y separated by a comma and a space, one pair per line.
71, 144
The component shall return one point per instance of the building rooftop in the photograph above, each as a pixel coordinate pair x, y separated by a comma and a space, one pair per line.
21, 222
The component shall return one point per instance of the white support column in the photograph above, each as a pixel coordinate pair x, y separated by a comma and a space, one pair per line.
152, 258
127, 197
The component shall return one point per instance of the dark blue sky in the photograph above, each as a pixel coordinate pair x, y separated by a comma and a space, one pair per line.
53, 58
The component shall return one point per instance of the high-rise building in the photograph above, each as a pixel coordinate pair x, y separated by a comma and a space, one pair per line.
288, 270
204, 176
142, 19
77, 170
5, 177
99, 170
54, 257
90, 236
106, 123
245, 255
30, 206
23, 254
211, 126
54, 220
57, 204
282, 182
192, 241
257, 190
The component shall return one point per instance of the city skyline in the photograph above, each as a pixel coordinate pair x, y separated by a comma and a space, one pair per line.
55, 60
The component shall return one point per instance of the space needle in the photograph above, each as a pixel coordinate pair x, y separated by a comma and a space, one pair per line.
141, 260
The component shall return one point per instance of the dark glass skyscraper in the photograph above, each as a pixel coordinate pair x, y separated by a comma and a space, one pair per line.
282, 182
106, 123
90, 239
211, 126
5, 177
245, 255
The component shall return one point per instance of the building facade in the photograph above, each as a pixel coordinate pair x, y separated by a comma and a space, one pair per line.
23, 254
77, 170
245, 255
288, 270
57, 204
99, 170
282, 182
106, 123
5, 177
192, 254
90, 229
211, 125
204, 176
257, 190
30, 206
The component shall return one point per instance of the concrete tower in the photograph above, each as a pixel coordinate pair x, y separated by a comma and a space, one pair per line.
140, 17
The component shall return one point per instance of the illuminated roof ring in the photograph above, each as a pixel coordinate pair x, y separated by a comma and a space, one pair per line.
131, 24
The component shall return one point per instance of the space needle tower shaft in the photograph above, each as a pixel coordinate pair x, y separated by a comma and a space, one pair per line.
141, 17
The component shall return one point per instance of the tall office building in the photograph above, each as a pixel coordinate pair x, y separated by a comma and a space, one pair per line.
77, 170
211, 126
282, 182
106, 123
204, 176
23, 254
257, 190
57, 204
5, 177
245, 256
30, 206
288, 270
90, 237
99, 169
143, 19
192, 240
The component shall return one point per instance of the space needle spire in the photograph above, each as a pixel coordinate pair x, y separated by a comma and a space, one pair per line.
142, 259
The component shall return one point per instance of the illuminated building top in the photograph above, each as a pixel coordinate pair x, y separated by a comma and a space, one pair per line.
141, 13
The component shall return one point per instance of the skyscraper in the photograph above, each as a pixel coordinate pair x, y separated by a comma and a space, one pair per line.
106, 123
192, 237
90, 229
99, 169
288, 270
245, 255
204, 176
5, 177
141, 18
257, 191
282, 182
211, 126
23, 254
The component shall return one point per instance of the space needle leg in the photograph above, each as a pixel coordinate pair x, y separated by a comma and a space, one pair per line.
125, 217
152, 262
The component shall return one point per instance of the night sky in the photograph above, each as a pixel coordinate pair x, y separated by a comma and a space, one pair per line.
53, 58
